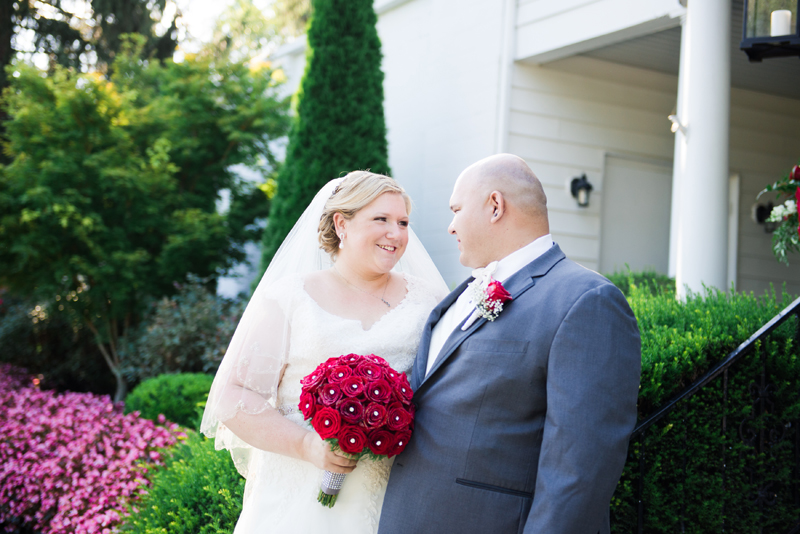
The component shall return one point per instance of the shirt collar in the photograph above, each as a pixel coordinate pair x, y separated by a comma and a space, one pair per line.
521, 257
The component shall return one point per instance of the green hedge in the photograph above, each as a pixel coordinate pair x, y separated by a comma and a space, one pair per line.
197, 491
650, 280
700, 477
179, 397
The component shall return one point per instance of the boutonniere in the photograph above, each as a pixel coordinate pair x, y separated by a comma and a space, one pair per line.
488, 296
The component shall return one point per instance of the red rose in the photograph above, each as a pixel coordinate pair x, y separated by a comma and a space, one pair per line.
352, 439
314, 378
399, 443
403, 390
352, 410
377, 359
353, 386
339, 373
308, 405
795, 174
797, 202
375, 415
496, 291
349, 359
380, 442
369, 370
398, 417
330, 394
327, 422
379, 391
391, 375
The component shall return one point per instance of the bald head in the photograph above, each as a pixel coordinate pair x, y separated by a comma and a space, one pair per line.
498, 207
511, 176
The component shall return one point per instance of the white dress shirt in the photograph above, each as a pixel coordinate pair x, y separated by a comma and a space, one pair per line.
463, 306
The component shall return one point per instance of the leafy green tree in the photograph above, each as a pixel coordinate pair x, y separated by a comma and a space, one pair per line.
111, 195
244, 31
86, 33
339, 125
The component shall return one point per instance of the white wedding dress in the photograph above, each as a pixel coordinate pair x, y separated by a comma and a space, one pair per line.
281, 492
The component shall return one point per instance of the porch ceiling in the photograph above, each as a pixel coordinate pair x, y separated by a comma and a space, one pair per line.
661, 52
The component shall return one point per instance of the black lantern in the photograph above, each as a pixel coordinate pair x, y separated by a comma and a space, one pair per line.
770, 29
580, 189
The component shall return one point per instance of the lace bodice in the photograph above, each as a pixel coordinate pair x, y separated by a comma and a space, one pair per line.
317, 335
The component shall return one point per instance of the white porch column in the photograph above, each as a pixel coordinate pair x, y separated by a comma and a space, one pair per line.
679, 156
701, 166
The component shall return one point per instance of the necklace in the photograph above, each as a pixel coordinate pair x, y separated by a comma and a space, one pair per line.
364, 290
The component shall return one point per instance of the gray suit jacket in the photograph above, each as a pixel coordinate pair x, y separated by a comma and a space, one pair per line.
523, 423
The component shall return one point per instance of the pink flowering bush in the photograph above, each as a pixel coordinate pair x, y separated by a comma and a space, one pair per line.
70, 462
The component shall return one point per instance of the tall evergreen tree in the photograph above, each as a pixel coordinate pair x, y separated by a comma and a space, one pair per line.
339, 125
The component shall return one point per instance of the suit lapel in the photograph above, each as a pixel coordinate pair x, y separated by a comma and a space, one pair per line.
421, 361
518, 284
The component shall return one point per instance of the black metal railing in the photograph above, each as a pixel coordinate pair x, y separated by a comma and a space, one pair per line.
757, 433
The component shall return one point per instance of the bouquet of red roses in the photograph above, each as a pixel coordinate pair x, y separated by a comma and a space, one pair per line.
361, 406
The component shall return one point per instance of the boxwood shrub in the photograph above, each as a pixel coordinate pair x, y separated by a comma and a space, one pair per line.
178, 397
722, 460
197, 491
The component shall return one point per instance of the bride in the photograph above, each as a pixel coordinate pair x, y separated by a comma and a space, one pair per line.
351, 277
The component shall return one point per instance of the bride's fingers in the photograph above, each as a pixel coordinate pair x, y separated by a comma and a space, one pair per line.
343, 460
333, 468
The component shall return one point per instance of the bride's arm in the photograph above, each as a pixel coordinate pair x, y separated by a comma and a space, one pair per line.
246, 386
272, 432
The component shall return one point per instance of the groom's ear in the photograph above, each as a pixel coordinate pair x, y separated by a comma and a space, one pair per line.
498, 205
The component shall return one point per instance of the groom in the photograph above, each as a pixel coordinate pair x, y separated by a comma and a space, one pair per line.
522, 423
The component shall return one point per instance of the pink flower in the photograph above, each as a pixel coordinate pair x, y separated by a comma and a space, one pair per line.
70, 460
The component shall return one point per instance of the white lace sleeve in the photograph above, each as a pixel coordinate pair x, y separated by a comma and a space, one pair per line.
248, 377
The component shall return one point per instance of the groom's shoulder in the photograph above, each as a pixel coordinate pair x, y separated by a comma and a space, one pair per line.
574, 277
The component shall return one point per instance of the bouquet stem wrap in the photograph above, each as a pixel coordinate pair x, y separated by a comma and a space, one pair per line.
329, 489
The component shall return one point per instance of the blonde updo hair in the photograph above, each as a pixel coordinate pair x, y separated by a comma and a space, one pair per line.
357, 190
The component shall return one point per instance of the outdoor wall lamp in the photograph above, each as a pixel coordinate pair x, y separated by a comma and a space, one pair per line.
770, 29
760, 213
580, 189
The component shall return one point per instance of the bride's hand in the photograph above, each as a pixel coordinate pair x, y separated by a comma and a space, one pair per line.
319, 453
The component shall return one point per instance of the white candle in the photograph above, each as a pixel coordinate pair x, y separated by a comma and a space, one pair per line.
781, 22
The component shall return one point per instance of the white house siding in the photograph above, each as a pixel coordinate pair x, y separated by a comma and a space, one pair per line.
548, 30
441, 64
765, 144
567, 117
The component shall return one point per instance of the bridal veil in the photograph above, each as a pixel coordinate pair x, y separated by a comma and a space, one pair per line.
248, 377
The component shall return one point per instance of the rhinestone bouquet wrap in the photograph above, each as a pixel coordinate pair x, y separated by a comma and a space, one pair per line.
361, 406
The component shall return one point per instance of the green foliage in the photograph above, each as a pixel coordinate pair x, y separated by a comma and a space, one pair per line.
111, 194
197, 491
87, 34
339, 126
699, 471
786, 237
651, 281
38, 336
245, 30
178, 397
185, 333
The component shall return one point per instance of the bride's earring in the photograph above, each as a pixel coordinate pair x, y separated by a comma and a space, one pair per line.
341, 240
